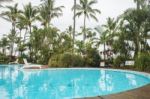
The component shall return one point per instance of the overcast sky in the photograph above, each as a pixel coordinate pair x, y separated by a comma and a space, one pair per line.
108, 8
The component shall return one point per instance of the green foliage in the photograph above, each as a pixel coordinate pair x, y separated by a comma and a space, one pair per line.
47, 43
66, 60
142, 62
119, 60
121, 47
85, 8
92, 58
3, 59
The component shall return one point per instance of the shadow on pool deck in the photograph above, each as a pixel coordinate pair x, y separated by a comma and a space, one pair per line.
139, 93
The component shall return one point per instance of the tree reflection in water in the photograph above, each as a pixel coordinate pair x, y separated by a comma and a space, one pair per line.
58, 84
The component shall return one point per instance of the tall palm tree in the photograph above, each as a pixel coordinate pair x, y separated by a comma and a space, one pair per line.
1, 1
50, 10
28, 16
103, 39
3, 44
111, 28
12, 38
139, 3
136, 27
5, 0
11, 15
107, 35
85, 9
20, 25
43, 15
74, 23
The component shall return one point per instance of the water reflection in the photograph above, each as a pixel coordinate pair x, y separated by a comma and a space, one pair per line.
131, 79
60, 84
105, 81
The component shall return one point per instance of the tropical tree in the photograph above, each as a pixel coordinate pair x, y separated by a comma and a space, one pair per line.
135, 22
111, 29
103, 39
5, 0
48, 11
74, 22
12, 39
85, 9
4, 44
28, 16
140, 3
43, 16
20, 25
11, 15
1, 1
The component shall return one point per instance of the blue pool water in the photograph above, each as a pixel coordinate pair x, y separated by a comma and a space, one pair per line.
65, 83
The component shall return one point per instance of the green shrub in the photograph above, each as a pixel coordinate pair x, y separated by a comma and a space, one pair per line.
77, 61
3, 59
54, 61
66, 60
142, 62
119, 60
92, 58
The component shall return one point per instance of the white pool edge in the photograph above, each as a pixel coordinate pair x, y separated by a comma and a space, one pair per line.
129, 71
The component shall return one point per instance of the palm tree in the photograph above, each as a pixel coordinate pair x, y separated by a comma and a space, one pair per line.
50, 10
1, 1
103, 39
5, 0
136, 27
139, 3
20, 25
85, 8
74, 24
28, 16
111, 29
107, 35
11, 15
4, 43
43, 16
12, 38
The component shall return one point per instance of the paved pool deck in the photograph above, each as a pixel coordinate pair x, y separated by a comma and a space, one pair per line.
139, 93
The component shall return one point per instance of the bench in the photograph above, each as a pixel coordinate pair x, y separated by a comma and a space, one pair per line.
102, 64
129, 63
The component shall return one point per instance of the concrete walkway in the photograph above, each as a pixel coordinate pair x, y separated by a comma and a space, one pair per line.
139, 93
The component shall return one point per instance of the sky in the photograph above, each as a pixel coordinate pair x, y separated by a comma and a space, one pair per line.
108, 8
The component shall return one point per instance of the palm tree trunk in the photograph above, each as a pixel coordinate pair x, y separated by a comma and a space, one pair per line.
138, 5
11, 49
74, 24
30, 29
20, 33
14, 26
31, 43
3, 50
104, 51
84, 31
137, 47
25, 35
12, 43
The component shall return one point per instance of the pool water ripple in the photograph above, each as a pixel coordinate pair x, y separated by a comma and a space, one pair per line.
66, 83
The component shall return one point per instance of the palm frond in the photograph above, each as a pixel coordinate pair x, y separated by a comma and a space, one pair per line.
94, 17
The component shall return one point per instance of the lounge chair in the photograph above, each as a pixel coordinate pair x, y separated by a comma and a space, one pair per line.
15, 62
29, 65
129, 63
102, 64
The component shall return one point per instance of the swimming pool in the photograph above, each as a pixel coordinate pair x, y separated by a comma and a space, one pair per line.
66, 83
